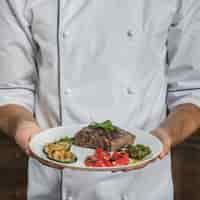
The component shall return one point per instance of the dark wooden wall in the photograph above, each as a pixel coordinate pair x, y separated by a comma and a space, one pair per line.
186, 170
13, 165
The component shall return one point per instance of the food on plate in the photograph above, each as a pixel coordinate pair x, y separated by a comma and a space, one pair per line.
131, 154
103, 158
60, 151
103, 135
113, 146
138, 151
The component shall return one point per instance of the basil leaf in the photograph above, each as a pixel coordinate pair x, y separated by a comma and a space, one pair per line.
106, 125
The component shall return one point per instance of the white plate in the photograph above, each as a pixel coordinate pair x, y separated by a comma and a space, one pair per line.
51, 135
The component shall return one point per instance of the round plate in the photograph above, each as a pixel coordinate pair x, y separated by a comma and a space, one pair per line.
51, 135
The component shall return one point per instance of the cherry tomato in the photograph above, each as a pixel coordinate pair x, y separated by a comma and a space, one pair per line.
107, 156
124, 155
102, 155
102, 158
108, 163
114, 163
89, 163
122, 161
93, 157
99, 163
116, 155
99, 150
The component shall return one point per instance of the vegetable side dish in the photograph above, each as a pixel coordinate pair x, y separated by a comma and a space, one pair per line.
128, 155
60, 151
103, 158
138, 151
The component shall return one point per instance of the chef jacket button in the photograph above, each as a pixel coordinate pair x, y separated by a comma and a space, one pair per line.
64, 197
130, 91
124, 197
130, 33
65, 34
69, 198
68, 91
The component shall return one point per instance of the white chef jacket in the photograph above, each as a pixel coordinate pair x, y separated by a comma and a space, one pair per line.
70, 62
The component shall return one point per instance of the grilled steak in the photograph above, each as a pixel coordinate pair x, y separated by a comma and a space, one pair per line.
91, 137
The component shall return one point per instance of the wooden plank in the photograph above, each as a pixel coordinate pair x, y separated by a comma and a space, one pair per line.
13, 170
5, 139
18, 193
186, 169
12, 178
12, 157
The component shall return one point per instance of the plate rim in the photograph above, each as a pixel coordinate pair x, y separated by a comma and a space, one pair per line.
138, 165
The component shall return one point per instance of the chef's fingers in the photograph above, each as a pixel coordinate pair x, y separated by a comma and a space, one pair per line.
165, 149
165, 139
29, 152
44, 162
164, 152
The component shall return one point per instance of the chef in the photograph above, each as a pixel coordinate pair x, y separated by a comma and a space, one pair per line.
66, 62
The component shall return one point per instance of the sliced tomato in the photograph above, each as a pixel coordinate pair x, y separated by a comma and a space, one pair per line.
116, 155
99, 150
114, 163
124, 155
102, 155
89, 163
99, 163
102, 158
122, 161
93, 157
108, 163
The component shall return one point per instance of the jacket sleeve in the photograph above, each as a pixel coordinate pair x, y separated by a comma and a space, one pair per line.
184, 56
17, 64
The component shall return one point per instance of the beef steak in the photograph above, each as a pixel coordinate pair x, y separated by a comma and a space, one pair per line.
91, 137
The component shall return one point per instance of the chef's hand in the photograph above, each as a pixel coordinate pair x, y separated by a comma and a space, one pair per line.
163, 136
25, 131
165, 139
19, 124
181, 123
23, 135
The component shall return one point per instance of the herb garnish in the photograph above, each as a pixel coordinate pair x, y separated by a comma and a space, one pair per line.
70, 140
138, 151
106, 125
